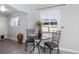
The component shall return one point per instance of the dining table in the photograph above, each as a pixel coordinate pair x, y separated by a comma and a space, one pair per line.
37, 41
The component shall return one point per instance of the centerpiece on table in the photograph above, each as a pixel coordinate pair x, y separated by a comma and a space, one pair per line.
39, 25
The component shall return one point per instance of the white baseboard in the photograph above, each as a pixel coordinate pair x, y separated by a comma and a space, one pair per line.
69, 50
14, 39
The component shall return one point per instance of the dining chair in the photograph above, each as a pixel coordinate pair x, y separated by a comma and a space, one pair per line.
29, 40
54, 43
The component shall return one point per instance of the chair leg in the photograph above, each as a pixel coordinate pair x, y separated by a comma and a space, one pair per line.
58, 50
26, 45
50, 51
32, 49
44, 48
38, 49
33, 44
25, 48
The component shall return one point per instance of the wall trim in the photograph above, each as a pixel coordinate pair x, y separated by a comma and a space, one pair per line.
15, 39
69, 50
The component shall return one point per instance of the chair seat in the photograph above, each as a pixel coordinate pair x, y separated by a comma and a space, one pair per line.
51, 45
30, 41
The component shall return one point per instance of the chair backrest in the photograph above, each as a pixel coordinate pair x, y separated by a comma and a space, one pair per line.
29, 31
56, 37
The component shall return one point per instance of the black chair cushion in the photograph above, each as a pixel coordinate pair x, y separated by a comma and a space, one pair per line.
50, 45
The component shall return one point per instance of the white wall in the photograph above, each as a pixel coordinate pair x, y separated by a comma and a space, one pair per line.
29, 10
3, 26
13, 31
70, 32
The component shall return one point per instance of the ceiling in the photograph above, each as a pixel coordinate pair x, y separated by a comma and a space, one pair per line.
12, 10
9, 12
37, 6
33, 6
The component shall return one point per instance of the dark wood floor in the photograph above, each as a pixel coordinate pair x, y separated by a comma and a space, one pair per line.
12, 47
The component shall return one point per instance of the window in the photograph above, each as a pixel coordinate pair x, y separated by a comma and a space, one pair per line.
50, 20
15, 21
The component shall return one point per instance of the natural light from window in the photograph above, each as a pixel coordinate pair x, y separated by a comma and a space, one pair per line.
50, 20
15, 21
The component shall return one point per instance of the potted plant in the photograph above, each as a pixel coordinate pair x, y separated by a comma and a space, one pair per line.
39, 25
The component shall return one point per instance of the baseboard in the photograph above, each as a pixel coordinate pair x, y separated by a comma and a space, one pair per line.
69, 50
15, 39
12, 39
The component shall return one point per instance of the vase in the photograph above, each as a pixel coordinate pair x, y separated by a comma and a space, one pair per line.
39, 33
